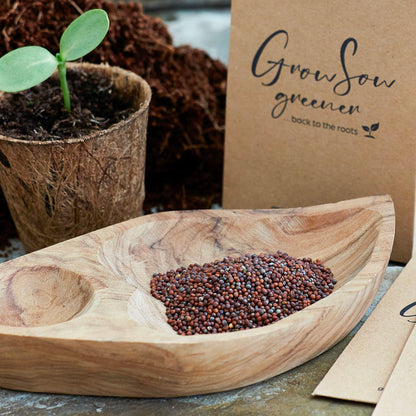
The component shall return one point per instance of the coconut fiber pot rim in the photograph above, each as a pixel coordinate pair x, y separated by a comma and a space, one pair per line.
110, 71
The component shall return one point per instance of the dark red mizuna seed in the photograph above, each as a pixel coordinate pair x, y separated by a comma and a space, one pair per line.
233, 294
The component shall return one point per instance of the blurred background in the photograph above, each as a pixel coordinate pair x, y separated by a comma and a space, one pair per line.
175, 4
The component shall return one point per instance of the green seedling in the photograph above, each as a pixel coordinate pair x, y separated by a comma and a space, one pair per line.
25, 67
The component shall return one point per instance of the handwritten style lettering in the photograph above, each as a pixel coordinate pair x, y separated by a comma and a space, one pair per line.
362, 79
282, 100
279, 65
271, 71
406, 309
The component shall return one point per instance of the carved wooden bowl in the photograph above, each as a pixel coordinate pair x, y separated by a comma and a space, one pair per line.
78, 317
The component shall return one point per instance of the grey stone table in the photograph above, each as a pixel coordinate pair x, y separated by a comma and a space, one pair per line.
286, 394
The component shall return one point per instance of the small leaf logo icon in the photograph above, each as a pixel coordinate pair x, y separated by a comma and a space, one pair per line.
370, 129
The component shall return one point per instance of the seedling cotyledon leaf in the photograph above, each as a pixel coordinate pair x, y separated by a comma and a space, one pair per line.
28, 66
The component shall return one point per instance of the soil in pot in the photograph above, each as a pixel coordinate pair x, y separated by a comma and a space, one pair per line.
38, 113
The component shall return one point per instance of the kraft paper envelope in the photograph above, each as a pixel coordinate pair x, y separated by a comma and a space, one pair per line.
363, 369
321, 105
399, 396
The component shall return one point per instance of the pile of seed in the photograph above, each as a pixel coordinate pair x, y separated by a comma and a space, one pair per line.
240, 293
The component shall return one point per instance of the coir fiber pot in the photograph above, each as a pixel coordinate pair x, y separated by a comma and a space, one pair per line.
60, 189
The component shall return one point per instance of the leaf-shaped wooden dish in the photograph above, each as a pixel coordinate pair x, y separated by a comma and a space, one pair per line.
78, 317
